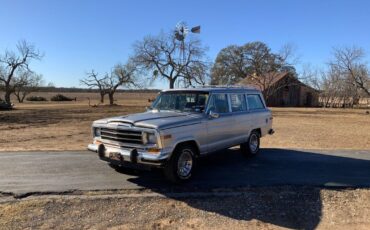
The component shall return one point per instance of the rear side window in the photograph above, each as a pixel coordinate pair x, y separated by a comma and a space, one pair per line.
237, 102
255, 102
218, 103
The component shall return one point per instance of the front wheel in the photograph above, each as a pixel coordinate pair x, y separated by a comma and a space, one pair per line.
181, 164
252, 146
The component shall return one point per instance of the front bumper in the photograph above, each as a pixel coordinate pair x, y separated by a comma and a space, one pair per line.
120, 156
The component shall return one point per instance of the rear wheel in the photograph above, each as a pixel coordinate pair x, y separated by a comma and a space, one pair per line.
181, 165
252, 146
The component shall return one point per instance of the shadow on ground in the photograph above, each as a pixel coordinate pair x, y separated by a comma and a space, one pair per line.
285, 184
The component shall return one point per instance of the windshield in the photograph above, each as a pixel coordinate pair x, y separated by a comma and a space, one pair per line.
181, 101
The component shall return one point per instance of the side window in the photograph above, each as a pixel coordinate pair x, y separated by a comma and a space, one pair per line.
237, 102
218, 103
255, 102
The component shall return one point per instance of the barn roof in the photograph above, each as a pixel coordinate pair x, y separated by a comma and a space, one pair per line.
274, 78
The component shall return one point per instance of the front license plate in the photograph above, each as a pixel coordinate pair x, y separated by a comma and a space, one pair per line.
116, 156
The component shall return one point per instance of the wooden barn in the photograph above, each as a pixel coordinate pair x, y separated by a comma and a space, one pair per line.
286, 90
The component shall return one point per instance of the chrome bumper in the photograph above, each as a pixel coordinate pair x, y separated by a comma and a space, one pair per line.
133, 156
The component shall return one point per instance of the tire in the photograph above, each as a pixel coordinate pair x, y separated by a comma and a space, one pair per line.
181, 165
252, 146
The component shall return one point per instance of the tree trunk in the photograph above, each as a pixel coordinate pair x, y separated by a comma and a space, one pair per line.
172, 83
111, 99
19, 98
102, 98
7, 96
23, 97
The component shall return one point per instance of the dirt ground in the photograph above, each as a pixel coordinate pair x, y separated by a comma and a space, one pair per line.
66, 125
254, 208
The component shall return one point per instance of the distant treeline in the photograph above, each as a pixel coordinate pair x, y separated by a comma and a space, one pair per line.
87, 90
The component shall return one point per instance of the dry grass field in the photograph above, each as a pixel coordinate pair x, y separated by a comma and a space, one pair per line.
257, 208
66, 125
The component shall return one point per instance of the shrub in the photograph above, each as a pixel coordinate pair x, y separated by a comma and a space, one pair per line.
5, 106
61, 97
36, 98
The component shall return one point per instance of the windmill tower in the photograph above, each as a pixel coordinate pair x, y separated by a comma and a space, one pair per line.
181, 32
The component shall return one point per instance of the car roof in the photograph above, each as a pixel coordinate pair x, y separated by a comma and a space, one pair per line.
217, 89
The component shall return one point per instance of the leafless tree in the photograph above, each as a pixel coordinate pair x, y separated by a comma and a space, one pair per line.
349, 61
51, 85
336, 90
311, 76
159, 57
26, 83
12, 63
92, 80
198, 74
346, 79
121, 75
288, 53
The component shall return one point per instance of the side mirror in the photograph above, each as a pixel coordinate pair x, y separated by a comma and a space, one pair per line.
213, 114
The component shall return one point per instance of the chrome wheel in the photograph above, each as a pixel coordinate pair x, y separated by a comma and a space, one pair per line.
253, 143
185, 163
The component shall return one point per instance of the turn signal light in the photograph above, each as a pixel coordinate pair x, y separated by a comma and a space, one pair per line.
154, 150
97, 142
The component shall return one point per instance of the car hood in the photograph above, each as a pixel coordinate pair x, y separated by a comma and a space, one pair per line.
156, 120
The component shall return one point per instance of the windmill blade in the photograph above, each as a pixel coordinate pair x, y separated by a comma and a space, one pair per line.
196, 30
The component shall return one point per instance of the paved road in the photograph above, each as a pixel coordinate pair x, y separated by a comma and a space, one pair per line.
28, 172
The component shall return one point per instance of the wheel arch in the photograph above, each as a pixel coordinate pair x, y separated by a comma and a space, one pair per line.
258, 130
190, 142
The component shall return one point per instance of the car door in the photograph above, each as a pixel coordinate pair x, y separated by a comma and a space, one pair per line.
219, 122
241, 118
257, 111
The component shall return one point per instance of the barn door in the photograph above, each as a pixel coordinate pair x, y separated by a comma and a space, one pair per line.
309, 99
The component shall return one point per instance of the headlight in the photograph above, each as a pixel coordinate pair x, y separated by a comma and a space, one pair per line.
97, 132
149, 138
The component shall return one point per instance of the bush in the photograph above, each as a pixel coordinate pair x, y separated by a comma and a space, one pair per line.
36, 98
5, 106
60, 97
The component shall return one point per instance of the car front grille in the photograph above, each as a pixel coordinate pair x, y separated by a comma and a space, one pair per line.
120, 135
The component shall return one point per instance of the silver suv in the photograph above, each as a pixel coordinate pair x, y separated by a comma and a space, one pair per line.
182, 125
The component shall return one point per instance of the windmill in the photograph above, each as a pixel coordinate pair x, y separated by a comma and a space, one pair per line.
181, 31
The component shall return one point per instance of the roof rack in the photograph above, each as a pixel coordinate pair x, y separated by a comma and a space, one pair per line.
227, 86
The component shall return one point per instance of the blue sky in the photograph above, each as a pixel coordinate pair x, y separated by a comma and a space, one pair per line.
77, 36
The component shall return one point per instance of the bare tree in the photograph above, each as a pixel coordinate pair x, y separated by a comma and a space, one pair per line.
288, 53
92, 80
336, 90
311, 76
346, 79
122, 75
51, 85
198, 74
12, 63
160, 57
349, 61
26, 83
